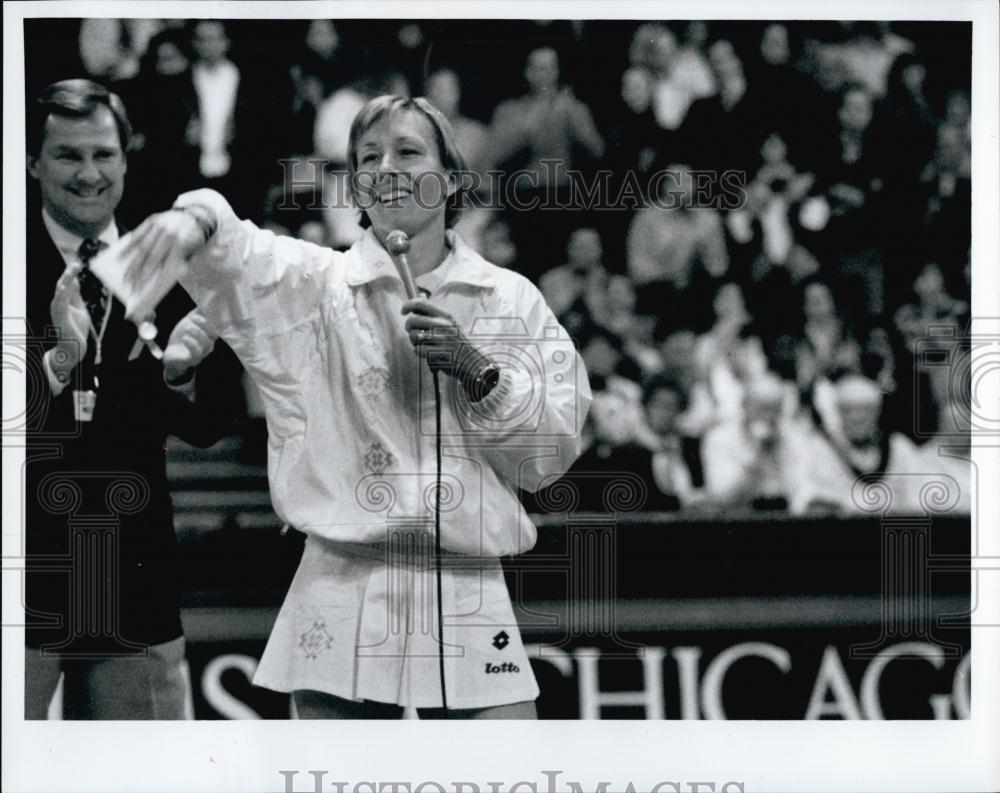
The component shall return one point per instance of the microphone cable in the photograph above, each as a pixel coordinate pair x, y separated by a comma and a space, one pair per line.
437, 537
398, 245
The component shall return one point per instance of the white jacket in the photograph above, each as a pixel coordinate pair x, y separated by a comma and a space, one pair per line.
350, 406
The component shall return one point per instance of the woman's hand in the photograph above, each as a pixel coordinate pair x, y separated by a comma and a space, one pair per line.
438, 339
190, 343
157, 240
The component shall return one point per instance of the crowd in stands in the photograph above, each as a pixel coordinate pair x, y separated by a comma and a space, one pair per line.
756, 338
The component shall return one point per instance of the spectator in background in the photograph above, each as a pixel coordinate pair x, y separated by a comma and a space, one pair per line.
163, 103
850, 177
680, 76
868, 52
723, 132
566, 288
635, 144
679, 363
111, 49
792, 104
823, 345
675, 466
765, 228
851, 445
946, 189
902, 138
444, 89
755, 460
673, 247
543, 132
320, 67
233, 151
614, 308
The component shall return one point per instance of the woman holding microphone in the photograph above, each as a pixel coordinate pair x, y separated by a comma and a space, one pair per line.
378, 462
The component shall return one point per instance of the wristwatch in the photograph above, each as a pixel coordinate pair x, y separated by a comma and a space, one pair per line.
483, 383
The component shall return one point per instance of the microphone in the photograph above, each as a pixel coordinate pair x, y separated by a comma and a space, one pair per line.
398, 244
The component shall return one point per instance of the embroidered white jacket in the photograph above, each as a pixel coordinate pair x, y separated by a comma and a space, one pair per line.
350, 406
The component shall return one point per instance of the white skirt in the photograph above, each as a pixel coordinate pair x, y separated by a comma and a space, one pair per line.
360, 622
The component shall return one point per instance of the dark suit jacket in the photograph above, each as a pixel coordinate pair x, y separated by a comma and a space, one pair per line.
101, 550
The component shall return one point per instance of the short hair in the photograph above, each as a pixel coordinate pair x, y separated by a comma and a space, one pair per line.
74, 99
451, 156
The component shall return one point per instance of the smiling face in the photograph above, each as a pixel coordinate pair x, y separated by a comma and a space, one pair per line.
80, 169
401, 180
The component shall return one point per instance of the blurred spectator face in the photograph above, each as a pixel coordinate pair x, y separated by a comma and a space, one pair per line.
913, 77
696, 33
774, 45
773, 149
859, 418
951, 148
729, 301
855, 110
957, 110
677, 188
210, 42
444, 91
600, 357
584, 250
637, 89
724, 62
170, 60
664, 47
831, 71
663, 407
677, 349
818, 301
80, 170
747, 359
542, 70
620, 295
930, 283
322, 38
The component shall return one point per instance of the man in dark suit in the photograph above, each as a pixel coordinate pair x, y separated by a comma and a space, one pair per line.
101, 595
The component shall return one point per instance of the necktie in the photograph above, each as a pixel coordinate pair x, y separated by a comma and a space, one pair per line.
91, 288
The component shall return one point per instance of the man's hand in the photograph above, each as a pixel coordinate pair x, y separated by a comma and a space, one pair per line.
437, 338
72, 322
190, 343
157, 240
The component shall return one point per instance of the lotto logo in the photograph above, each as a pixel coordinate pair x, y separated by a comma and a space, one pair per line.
507, 666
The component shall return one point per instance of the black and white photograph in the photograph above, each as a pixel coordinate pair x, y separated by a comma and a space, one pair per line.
601, 368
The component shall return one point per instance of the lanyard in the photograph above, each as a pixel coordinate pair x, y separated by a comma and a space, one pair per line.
99, 339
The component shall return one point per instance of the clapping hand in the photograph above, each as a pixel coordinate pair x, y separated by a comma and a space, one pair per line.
190, 343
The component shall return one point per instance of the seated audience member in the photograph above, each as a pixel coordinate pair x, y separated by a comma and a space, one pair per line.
766, 225
613, 380
679, 363
755, 460
568, 284
614, 308
852, 443
675, 466
674, 247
